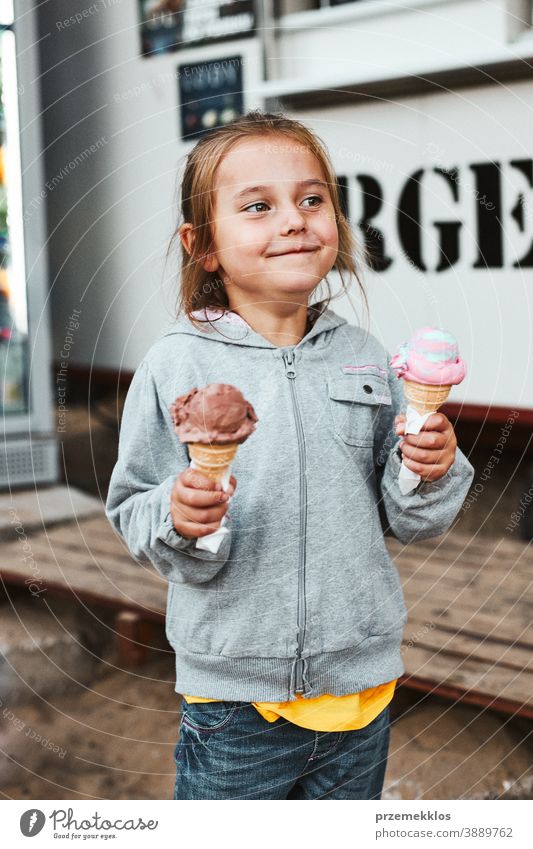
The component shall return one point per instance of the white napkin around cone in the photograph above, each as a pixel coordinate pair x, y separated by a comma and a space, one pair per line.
407, 479
212, 542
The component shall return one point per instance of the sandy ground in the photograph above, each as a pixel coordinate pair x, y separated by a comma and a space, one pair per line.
114, 739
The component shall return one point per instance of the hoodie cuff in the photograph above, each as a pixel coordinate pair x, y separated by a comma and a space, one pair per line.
168, 534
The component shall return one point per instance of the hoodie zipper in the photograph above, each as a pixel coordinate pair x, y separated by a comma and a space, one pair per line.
290, 373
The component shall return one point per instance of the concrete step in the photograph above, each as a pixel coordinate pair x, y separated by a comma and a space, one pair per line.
26, 511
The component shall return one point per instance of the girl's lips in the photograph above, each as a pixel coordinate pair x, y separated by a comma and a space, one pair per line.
297, 251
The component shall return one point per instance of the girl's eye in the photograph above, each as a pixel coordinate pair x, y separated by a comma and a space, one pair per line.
316, 198
259, 203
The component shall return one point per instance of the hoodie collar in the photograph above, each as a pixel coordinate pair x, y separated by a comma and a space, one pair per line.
226, 326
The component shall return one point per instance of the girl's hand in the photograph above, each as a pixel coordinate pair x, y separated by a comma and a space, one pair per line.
197, 503
431, 452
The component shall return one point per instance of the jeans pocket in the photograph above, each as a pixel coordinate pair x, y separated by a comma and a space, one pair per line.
208, 717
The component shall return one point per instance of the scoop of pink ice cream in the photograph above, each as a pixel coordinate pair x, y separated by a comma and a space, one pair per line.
217, 413
430, 356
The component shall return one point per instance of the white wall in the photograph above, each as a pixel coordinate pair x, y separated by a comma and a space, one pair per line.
489, 310
112, 215
375, 38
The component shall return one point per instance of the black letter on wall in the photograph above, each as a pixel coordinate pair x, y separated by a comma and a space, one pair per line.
525, 166
409, 220
448, 230
374, 238
489, 214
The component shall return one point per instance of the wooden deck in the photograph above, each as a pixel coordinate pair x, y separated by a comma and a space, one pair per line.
88, 561
469, 635
470, 628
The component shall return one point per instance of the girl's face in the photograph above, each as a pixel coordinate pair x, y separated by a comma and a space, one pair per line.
274, 228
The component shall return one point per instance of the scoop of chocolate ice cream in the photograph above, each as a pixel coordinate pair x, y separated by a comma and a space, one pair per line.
217, 413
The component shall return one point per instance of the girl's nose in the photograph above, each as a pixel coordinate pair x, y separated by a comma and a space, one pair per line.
293, 221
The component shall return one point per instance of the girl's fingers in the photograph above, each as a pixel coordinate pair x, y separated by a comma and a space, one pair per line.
437, 421
419, 455
187, 491
198, 504
431, 452
190, 529
430, 440
199, 497
399, 424
203, 517
192, 522
432, 472
434, 433
196, 480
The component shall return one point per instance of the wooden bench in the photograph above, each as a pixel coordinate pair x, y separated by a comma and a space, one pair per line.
469, 635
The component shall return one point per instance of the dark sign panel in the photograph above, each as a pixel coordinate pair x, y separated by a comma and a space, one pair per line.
168, 25
210, 95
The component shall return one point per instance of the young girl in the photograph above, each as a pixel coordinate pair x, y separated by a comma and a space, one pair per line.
288, 638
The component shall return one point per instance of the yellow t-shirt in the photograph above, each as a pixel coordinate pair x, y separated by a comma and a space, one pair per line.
326, 713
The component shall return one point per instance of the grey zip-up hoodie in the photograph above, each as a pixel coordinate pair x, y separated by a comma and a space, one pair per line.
302, 596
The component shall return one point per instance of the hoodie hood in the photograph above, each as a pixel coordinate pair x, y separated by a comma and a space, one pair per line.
227, 326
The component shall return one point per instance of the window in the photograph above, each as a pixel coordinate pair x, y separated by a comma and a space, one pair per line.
289, 7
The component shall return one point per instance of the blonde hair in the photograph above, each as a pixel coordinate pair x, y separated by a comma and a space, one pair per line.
203, 289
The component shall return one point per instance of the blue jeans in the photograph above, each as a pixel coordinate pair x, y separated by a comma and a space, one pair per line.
226, 750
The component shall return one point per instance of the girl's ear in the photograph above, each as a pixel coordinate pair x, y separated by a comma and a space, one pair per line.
210, 263
186, 231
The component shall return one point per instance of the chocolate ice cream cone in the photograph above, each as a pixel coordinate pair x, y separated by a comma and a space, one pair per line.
213, 460
425, 397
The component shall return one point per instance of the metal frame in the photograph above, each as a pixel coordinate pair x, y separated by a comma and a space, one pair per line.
37, 424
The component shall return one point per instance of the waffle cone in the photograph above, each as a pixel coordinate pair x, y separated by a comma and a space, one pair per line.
213, 460
424, 397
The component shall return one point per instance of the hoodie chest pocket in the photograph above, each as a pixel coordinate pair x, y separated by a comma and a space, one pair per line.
355, 401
